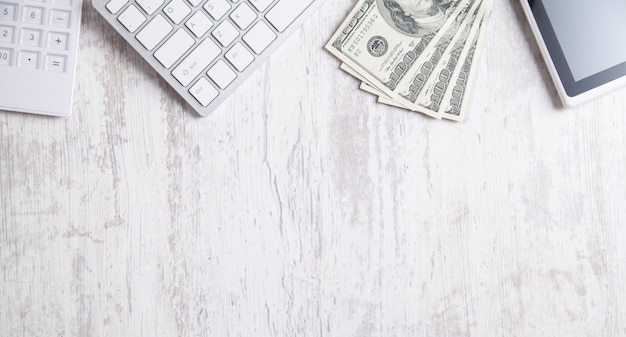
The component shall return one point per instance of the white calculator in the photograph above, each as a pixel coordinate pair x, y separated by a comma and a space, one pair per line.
205, 48
38, 50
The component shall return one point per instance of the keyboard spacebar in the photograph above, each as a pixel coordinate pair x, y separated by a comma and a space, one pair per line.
285, 12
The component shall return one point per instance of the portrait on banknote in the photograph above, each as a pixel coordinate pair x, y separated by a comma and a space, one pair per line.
414, 17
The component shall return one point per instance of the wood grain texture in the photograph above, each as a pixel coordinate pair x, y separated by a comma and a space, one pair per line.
302, 208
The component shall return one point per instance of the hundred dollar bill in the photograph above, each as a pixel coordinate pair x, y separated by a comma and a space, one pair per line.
456, 99
381, 39
426, 90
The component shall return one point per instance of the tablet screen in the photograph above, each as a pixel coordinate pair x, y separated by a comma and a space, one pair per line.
587, 31
585, 40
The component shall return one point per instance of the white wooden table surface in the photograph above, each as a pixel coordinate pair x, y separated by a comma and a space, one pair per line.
302, 208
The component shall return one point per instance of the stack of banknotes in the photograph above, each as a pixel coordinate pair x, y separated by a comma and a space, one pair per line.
420, 55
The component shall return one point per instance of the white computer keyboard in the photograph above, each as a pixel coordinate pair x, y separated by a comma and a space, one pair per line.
38, 50
205, 48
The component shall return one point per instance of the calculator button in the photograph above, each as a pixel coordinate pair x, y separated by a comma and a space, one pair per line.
217, 8
131, 18
154, 32
57, 40
27, 59
55, 63
31, 37
203, 92
60, 18
196, 62
243, 16
5, 56
221, 74
115, 6
32, 15
259, 37
175, 47
150, 6
6, 34
7, 12
177, 11
225, 33
199, 24
239, 56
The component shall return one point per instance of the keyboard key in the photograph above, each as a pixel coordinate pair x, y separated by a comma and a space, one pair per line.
199, 24
32, 15
115, 6
225, 33
7, 12
57, 40
132, 18
55, 63
175, 47
261, 5
62, 2
154, 32
243, 16
239, 57
5, 56
217, 8
196, 61
60, 18
208, 46
204, 92
259, 37
177, 11
221, 74
31, 37
27, 59
150, 6
285, 12
6, 34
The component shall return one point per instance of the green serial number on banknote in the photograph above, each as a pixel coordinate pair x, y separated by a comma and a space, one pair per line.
356, 51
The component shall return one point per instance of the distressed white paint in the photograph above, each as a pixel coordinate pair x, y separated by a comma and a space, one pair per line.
303, 208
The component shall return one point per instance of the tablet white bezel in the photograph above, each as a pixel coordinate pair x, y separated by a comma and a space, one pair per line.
567, 100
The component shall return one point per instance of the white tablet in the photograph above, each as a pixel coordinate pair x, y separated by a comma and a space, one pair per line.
583, 43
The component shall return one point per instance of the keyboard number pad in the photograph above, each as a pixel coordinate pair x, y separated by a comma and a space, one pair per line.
35, 35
